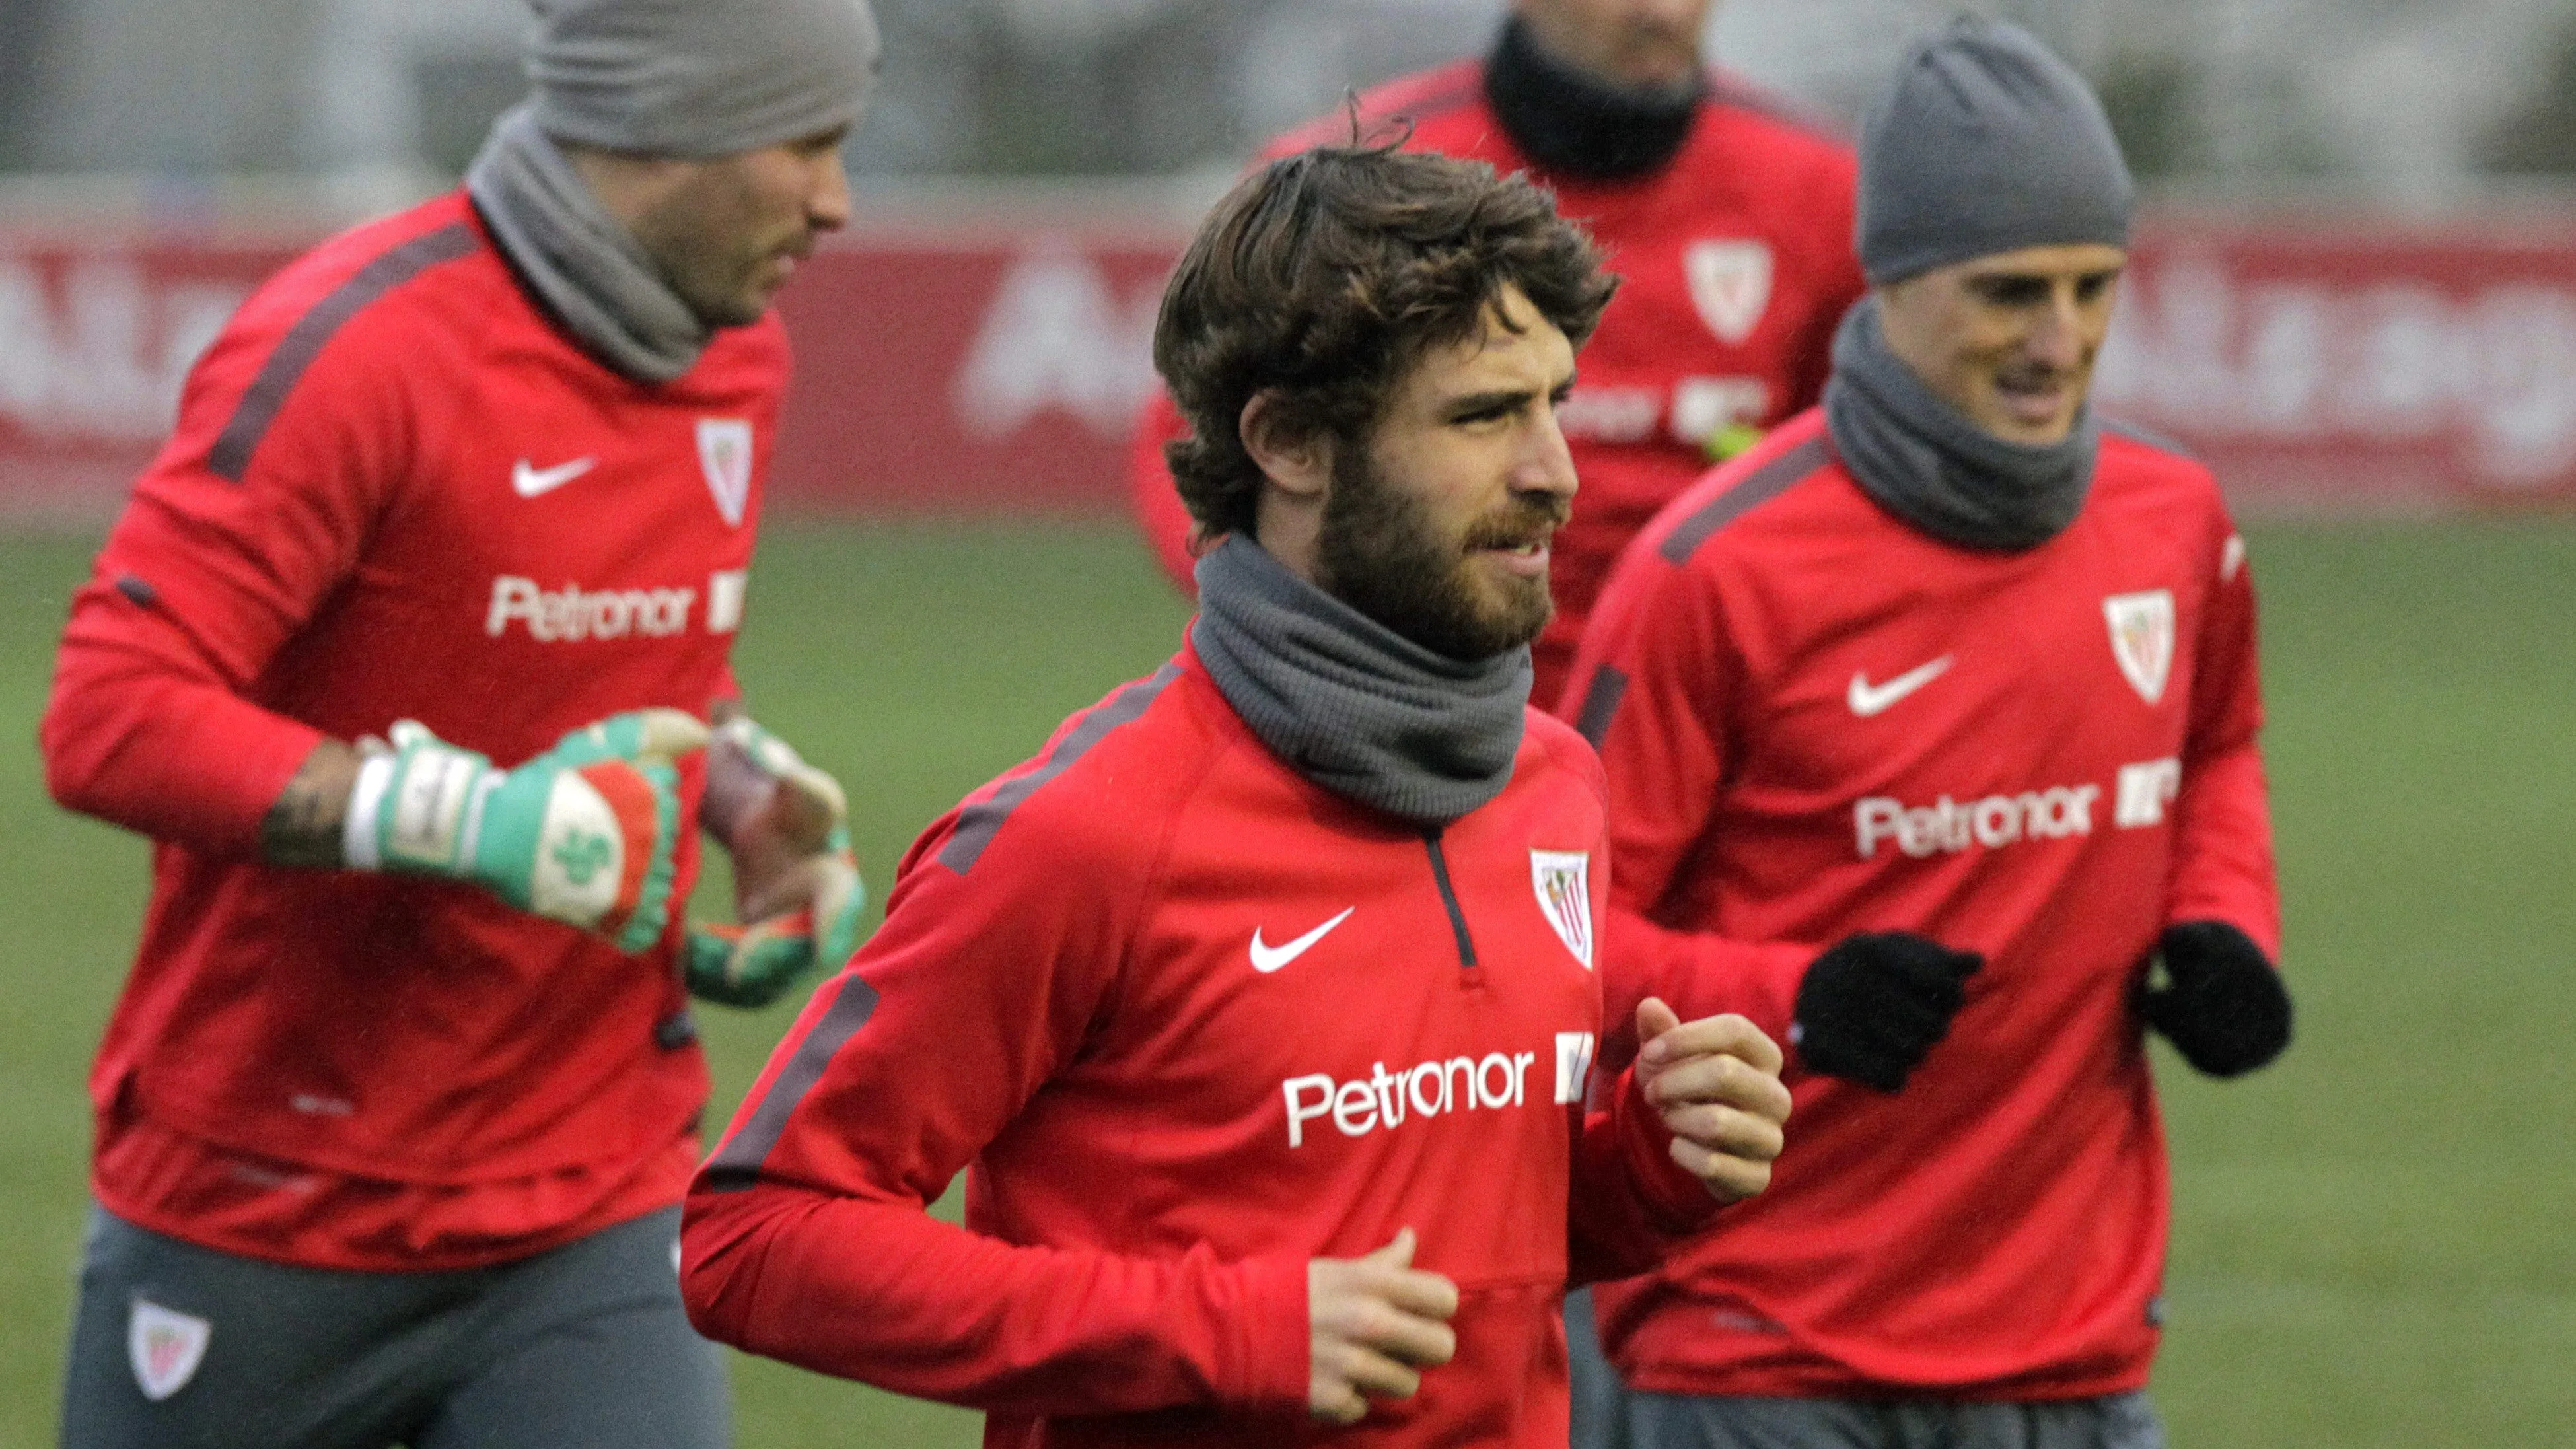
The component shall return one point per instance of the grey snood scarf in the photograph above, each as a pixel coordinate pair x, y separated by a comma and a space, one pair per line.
1355, 707
586, 267
1923, 461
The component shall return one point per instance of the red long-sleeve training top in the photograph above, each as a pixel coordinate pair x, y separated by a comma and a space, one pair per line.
1816, 720
1194, 1020
398, 490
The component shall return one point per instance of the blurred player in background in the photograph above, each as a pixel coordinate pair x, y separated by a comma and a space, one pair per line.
1261, 1004
397, 1107
1728, 223
1927, 725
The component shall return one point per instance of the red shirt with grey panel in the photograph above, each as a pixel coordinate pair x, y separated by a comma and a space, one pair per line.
397, 490
1735, 264
1190, 1020
1817, 720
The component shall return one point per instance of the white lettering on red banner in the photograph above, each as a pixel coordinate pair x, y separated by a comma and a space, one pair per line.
96, 350
1058, 336
2332, 380
2367, 363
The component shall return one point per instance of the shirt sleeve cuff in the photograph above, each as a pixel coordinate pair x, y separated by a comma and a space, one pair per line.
1676, 1201
1271, 1363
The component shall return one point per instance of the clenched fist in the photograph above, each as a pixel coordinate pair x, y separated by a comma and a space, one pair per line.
1716, 1084
1378, 1322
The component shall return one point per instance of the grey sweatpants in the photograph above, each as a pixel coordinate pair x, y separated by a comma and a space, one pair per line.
582, 1347
1609, 1415
1668, 1421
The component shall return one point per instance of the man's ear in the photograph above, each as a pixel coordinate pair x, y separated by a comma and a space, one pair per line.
1299, 465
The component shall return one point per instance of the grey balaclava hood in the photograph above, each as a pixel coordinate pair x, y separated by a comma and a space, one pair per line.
1986, 143
691, 78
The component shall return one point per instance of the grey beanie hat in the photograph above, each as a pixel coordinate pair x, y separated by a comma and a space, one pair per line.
1986, 143
700, 77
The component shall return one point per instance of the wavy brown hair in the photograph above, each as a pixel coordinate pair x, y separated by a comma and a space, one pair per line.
1324, 276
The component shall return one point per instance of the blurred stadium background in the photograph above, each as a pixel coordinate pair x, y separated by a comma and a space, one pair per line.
2355, 293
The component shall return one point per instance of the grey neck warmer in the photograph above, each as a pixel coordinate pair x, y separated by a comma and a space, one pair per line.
587, 269
1986, 143
1923, 461
1354, 706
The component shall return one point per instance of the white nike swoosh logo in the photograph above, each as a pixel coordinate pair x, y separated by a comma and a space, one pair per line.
1266, 959
528, 482
1867, 699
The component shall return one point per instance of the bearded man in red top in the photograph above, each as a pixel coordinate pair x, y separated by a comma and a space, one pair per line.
1260, 1006
396, 1109
1727, 219
1929, 725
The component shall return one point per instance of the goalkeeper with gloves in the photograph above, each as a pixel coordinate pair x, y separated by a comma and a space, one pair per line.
411, 655
586, 834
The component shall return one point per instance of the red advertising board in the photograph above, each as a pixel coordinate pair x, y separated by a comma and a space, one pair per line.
945, 376
2342, 364
95, 340
2349, 364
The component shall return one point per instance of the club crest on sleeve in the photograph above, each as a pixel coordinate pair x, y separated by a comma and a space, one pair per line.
2142, 638
724, 451
1730, 283
1563, 882
166, 1346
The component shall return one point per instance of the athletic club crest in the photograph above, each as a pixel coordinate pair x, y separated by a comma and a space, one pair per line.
1730, 283
724, 451
2142, 638
166, 1347
1563, 880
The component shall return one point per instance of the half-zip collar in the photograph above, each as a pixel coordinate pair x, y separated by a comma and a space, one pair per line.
1449, 898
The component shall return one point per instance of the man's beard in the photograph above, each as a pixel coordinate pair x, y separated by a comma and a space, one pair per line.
1379, 552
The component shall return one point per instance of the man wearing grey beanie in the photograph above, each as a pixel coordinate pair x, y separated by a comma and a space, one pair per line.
1930, 728
402, 654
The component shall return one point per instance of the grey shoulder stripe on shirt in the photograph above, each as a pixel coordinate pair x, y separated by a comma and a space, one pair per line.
260, 404
2147, 437
1764, 484
1600, 702
737, 1163
979, 822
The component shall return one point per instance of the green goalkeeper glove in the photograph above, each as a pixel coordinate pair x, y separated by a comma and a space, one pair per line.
796, 884
583, 833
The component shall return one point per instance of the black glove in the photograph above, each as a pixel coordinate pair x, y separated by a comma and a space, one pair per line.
1874, 1003
2222, 1005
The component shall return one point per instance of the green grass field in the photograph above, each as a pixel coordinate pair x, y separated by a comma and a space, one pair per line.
2373, 1241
